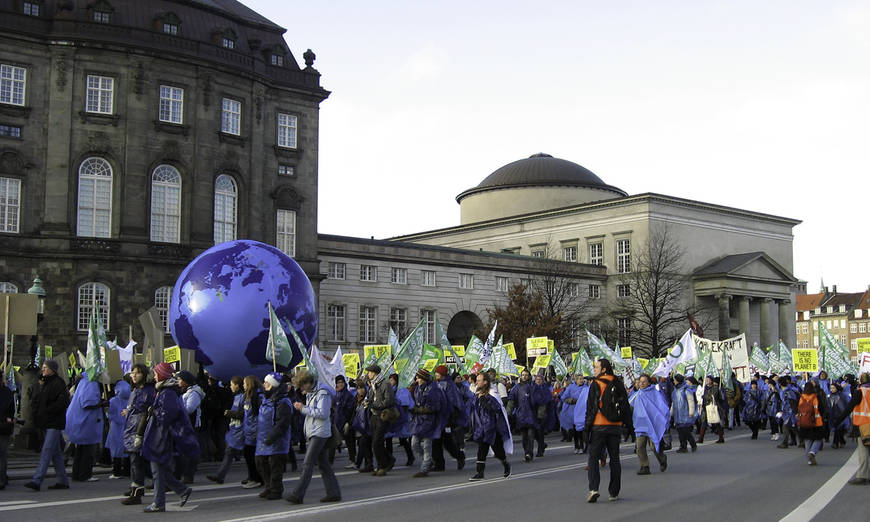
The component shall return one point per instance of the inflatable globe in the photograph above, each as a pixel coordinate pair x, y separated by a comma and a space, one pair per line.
220, 306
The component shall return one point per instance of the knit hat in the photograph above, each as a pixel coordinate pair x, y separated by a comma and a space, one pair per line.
442, 370
185, 376
424, 374
374, 368
51, 363
274, 379
163, 371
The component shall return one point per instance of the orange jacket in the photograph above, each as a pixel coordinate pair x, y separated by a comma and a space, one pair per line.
861, 413
601, 420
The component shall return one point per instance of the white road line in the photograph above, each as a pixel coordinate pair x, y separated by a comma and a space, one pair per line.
818, 500
15, 502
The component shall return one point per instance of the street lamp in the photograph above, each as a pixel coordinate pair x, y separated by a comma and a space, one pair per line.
39, 292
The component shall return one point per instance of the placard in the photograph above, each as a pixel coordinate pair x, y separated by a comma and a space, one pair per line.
172, 354
625, 352
863, 345
511, 351
805, 360
536, 346
22, 313
550, 346
458, 350
48, 351
113, 366
351, 364
377, 349
864, 363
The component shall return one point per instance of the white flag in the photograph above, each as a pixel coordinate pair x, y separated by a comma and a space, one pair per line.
327, 369
682, 352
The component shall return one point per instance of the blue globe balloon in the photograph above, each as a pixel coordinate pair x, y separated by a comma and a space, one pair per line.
219, 306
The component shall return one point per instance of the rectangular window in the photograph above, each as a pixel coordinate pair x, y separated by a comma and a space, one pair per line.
277, 60
577, 334
367, 324
501, 284
623, 290
231, 116
161, 302
228, 43
573, 289
853, 328
335, 322
368, 273
538, 253
10, 131
398, 320
171, 104
623, 326
30, 8
428, 317
90, 294
170, 29
843, 324
285, 231
99, 94
287, 130
570, 254
594, 291
466, 281
286, 170
596, 254
427, 278
855, 345
623, 256
336, 271
828, 324
399, 276
101, 17
862, 327
12, 82
10, 204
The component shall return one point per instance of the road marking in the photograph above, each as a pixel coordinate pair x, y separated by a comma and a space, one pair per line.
818, 500
15, 502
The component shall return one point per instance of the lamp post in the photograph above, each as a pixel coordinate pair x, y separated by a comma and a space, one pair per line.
39, 292
28, 437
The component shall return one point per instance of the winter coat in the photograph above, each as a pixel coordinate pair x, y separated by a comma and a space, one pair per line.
84, 416
752, 406
569, 402
487, 420
360, 420
427, 415
683, 406
789, 397
115, 438
400, 428
713, 396
169, 432
141, 399
273, 423
579, 422
318, 404
816, 432
342, 407
542, 400
192, 399
7, 410
455, 414
380, 396
837, 402
521, 404
772, 402
235, 436
465, 400
252, 412
51, 404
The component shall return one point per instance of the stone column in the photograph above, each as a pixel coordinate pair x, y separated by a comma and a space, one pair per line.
743, 315
785, 331
766, 337
724, 316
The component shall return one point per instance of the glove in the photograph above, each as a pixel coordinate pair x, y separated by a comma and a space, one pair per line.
137, 442
779, 415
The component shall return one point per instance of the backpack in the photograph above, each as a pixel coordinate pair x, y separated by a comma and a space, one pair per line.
614, 401
806, 412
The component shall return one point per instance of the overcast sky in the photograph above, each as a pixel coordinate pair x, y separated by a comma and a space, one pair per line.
756, 105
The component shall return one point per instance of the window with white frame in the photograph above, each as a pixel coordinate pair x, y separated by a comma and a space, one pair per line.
573, 289
8, 288
161, 302
165, 204
427, 278
226, 197
287, 130
596, 254
228, 43
623, 256
286, 170
843, 324
12, 83
101, 17
862, 327
623, 326
854, 345
10, 204
367, 324
623, 290
276, 60
828, 324
170, 28
335, 318
853, 328
569, 253
30, 8
539, 253
94, 211
398, 320
806, 328
466, 281
285, 232
428, 317
577, 334
594, 291
231, 116
399, 276
336, 270
99, 94
171, 104
10, 131
90, 294
368, 273
501, 284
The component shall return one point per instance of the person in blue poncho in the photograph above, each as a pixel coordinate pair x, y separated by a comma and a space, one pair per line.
569, 397
399, 428
520, 404
684, 408
115, 438
773, 405
651, 417
84, 427
466, 396
544, 407
454, 417
753, 408
235, 437
167, 433
823, 382
789, 395
251, 404
342, 412
490, 428
426, 419
837, 402
273, 436
361, 435
579, 420
135, 416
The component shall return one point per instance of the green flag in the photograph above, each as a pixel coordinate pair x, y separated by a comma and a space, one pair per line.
501, 361
833, 356
558, 364
410, 354
96, 345
473, 351
726, 372
311, 368
785, 362
278, 347
759, 358
600, 350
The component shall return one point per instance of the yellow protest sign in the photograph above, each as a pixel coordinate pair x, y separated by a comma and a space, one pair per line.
541, 361
377, 349
550, 346
172, 354
537, 346
430, 364
805, 360
458, 350
351, 364
520, 367
49, 351
511, 351
72, 360
863, 345
625, 352
643, 362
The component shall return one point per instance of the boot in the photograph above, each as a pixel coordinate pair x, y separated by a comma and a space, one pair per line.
135, 497
479, 475
701, 435
721, 436
644, 470
507, 468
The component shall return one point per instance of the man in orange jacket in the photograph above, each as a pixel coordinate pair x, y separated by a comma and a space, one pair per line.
859, 406
606, 427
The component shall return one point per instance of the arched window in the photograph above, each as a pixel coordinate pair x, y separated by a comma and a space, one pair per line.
8, 288
165, 204
225, 199
161, 302
95, 198
90, 294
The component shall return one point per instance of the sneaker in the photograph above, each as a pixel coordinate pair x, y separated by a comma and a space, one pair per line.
185, 496
113, 476
775, 437
94, 479
154, 508
476, 476
351, 466
592, 497
252, 485
613, 498
812, 460
576, 451
32, 485
527, 458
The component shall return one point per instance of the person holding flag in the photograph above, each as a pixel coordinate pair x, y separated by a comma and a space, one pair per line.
650, 418
489, 428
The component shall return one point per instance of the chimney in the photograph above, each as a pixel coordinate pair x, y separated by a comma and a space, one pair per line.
835, 289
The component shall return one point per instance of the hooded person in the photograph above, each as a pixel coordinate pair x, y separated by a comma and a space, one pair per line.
789, 396
453, 417
84, 427
192, 396
235, 435
489, 428
273, 436
684, 410
579, 420
568, 399
837, 402
360, 448
399, 428
520, 404
115, 438
425, 425
651, 417
753, 409
252, 398
342, 412
773, 405
50, 415
135, 415
168, 432
544, 407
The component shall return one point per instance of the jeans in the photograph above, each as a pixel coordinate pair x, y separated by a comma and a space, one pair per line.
4, 457
863, 461
229, 455
813, 446
528, 440
605, 437
316, 452
51, 453
138, 468
423, 449
163, 478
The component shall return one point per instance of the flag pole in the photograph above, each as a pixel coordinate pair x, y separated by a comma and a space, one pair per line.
271, 337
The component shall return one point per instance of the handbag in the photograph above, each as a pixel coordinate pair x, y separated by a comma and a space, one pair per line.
864, 430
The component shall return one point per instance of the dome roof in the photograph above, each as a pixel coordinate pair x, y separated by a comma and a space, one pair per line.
540, 170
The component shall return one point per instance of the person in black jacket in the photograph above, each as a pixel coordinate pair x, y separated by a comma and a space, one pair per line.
50, 415
7, 423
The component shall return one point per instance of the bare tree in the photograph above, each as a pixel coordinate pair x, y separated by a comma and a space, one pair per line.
522, 317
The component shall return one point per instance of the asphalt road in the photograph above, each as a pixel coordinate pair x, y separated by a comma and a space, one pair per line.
741, 480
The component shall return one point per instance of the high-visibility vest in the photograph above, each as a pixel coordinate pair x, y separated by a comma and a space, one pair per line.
861, 413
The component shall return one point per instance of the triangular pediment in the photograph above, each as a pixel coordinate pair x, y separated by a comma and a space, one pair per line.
750, 265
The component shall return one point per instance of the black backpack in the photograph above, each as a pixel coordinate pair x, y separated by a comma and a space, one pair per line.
614, 401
